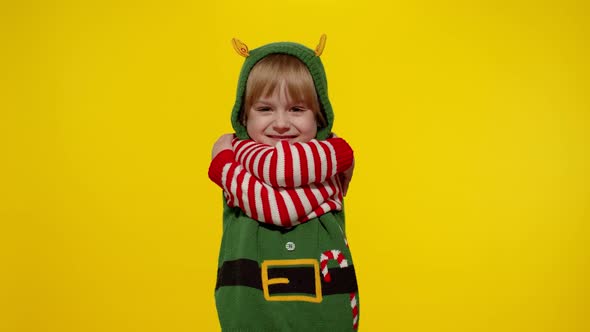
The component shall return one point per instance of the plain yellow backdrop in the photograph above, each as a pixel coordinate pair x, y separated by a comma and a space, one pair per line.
470, 120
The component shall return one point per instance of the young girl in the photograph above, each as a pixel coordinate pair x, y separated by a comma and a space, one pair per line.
284, 263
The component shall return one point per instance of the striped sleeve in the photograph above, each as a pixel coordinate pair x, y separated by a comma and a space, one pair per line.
284, 207
294, 165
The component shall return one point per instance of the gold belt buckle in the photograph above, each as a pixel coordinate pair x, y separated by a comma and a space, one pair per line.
286, 262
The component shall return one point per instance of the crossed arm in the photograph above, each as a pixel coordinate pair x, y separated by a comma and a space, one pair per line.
283, 184
293, 165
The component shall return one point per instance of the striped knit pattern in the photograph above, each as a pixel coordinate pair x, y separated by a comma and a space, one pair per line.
283, 185
293, 165
355, 310
336, 255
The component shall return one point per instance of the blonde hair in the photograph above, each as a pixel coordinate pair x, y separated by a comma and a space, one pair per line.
267, 75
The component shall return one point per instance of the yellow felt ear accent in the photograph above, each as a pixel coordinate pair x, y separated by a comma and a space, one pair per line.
240, 47
320, 48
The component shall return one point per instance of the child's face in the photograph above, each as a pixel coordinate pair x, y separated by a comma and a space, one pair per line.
276, 117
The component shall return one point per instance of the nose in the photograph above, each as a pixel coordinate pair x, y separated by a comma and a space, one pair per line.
281, 124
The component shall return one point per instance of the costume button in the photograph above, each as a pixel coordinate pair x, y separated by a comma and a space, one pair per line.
290, 246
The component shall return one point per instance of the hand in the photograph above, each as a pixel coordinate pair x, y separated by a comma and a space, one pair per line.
345, 178
223, 143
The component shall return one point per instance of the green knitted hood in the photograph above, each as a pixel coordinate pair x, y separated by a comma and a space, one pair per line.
307, 56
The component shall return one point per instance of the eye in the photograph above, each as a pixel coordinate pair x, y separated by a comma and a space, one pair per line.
263, 109
297, 109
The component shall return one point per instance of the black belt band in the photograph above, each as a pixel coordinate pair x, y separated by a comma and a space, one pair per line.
246, 272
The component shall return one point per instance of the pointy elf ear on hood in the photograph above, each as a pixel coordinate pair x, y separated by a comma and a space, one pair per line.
240, 47
309, 57
320, 48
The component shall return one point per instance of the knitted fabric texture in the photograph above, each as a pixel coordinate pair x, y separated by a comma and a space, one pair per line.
284, 185
316, 69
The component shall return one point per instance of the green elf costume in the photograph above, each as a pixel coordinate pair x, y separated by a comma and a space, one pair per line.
284, 275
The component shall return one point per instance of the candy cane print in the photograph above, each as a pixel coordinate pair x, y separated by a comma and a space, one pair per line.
339, 257
328, 255
355, 310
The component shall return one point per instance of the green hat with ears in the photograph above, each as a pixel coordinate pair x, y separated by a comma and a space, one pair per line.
309, 57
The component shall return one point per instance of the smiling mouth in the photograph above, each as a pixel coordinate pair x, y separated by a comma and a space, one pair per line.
282, 136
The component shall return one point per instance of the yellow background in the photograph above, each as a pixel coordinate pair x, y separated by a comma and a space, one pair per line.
468, 211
